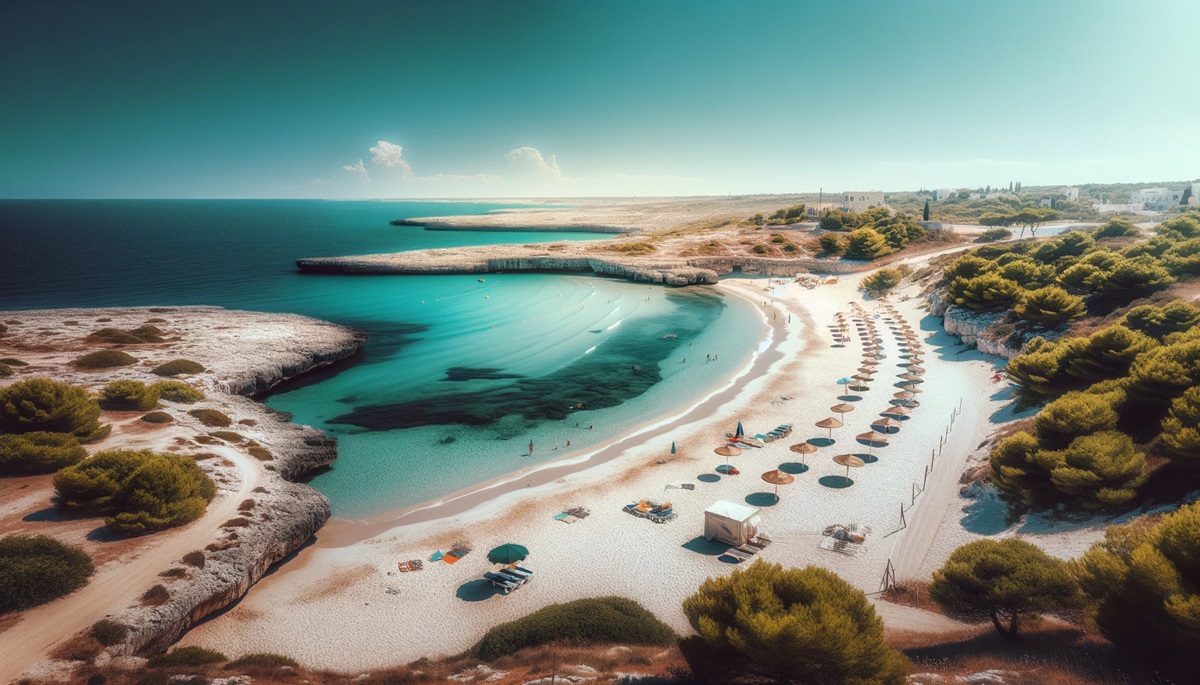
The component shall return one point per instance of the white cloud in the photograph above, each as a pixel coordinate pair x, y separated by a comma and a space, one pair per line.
358, 170
388, 155
529, 161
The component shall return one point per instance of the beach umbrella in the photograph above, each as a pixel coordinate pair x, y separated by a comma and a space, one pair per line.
803, 448
830, 423
842, 408
672, 447
740, 432
778, 478
915, 359
913, 368
871, 437
845, 381
507, 554
870, 362
896, 411
863, 377
905, 395
912, 378
888, 422
848, 460
866, 369
859, 388
728, 451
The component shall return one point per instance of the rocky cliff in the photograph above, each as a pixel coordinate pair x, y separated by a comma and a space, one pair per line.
991, 332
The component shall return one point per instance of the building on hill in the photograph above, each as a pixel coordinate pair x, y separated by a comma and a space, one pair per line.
1156, 199
816, 209
861, 200
944, 194
1072, 195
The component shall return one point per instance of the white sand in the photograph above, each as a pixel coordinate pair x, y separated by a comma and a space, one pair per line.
331, 608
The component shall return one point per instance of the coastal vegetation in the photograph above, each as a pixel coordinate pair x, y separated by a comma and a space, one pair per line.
178, 367
882, 281
42, 404
126, 395
37, 569
5, 370
116, 336
787, 625
38, 452
1144, 578
158, 417
187, 657
1003, 581
103, 359
993, 234
596, 620
176, 391
212, 418
138, 492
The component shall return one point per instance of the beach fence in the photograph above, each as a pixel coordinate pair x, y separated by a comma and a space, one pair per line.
889, 574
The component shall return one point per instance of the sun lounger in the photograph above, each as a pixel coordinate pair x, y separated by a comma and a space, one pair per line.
412, 565
749, 549
738, 554
514, 577
524, 570
559, 517
663, 516
506, 585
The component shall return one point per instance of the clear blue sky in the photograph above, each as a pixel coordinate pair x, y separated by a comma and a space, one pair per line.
566, 97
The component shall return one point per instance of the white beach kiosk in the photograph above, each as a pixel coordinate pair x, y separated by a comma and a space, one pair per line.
731, 522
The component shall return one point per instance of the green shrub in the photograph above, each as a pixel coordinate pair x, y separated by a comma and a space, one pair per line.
989, 292
37, 569
262, 660
1071, 416
866, 244
103, 359
1145, 581
176, 391
228, 436
1049, 306
260, 453
881, 282
116, 336
156, 595
833, 244
157, 417
993, 234
187, 657
1115, 228
195, 559
760, 249
1180, 429
38, 452
108, 632
212, 417
128, 394
1003, 580
5, 370
41, 404
138, 491
13, 362
178, 367
596, 620
794, 625
1159, 322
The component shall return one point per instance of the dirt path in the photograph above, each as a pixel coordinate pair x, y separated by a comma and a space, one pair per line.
121, 581
899, 617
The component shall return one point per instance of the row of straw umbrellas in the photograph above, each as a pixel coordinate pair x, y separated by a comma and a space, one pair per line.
904, 399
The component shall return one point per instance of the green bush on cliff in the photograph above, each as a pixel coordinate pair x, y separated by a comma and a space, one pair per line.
994, 234
158, 417
116, 336
211, 417
38, 452
128, 395
176, 391
598, 620
881, 282
137, 491
5, 370
41, 404
867, 244
178, 367
37, 569
103, 359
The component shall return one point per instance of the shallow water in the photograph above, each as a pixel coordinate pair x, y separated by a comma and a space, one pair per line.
459, 375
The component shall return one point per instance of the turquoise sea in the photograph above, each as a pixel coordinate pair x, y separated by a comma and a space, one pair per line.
459, 375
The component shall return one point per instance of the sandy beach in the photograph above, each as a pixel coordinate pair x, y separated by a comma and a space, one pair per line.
343, 605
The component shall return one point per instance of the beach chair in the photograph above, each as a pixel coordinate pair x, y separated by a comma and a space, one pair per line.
749, 549
663, 516
515, 577
738, 554
505, 585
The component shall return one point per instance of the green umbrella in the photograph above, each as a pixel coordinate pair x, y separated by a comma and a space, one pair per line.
672, 447
508, 554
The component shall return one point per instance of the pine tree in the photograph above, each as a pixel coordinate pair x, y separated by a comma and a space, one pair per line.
925, 214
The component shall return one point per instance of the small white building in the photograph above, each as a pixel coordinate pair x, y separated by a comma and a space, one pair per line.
861, 200
1072, 195
1156, 199
730, 522
944, 194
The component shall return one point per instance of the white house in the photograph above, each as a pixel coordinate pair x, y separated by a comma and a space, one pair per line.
861, 200
1156, 199
1072, 195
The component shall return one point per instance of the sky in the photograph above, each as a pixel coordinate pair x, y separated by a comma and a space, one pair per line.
450, 98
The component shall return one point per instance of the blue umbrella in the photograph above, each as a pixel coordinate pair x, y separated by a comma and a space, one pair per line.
845, 381
740, 432
672, 447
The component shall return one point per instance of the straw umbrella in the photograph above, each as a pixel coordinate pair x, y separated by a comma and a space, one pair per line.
778, 478
896, 411
912, 378
872, 437
866, 369
842, 408
913, 368
803, 448
870, 362
728, 451
830, 423
887, 422
848, 460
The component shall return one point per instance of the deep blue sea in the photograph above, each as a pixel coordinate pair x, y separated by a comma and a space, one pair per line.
459, 374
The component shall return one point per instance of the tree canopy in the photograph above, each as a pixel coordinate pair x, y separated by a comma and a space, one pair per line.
1003, 580
791, 625
42, 404
38, 452
37, 569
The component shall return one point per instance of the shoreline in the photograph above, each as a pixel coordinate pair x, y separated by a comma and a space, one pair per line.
345, 531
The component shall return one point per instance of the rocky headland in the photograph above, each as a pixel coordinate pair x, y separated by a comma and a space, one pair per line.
260, 515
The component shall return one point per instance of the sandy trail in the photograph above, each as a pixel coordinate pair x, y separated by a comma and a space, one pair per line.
122, 581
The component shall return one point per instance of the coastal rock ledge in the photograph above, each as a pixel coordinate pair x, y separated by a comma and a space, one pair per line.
260, 514
676, 271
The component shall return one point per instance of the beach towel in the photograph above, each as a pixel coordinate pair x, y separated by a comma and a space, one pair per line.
559, 517
437, 556
450, 558
688, 486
